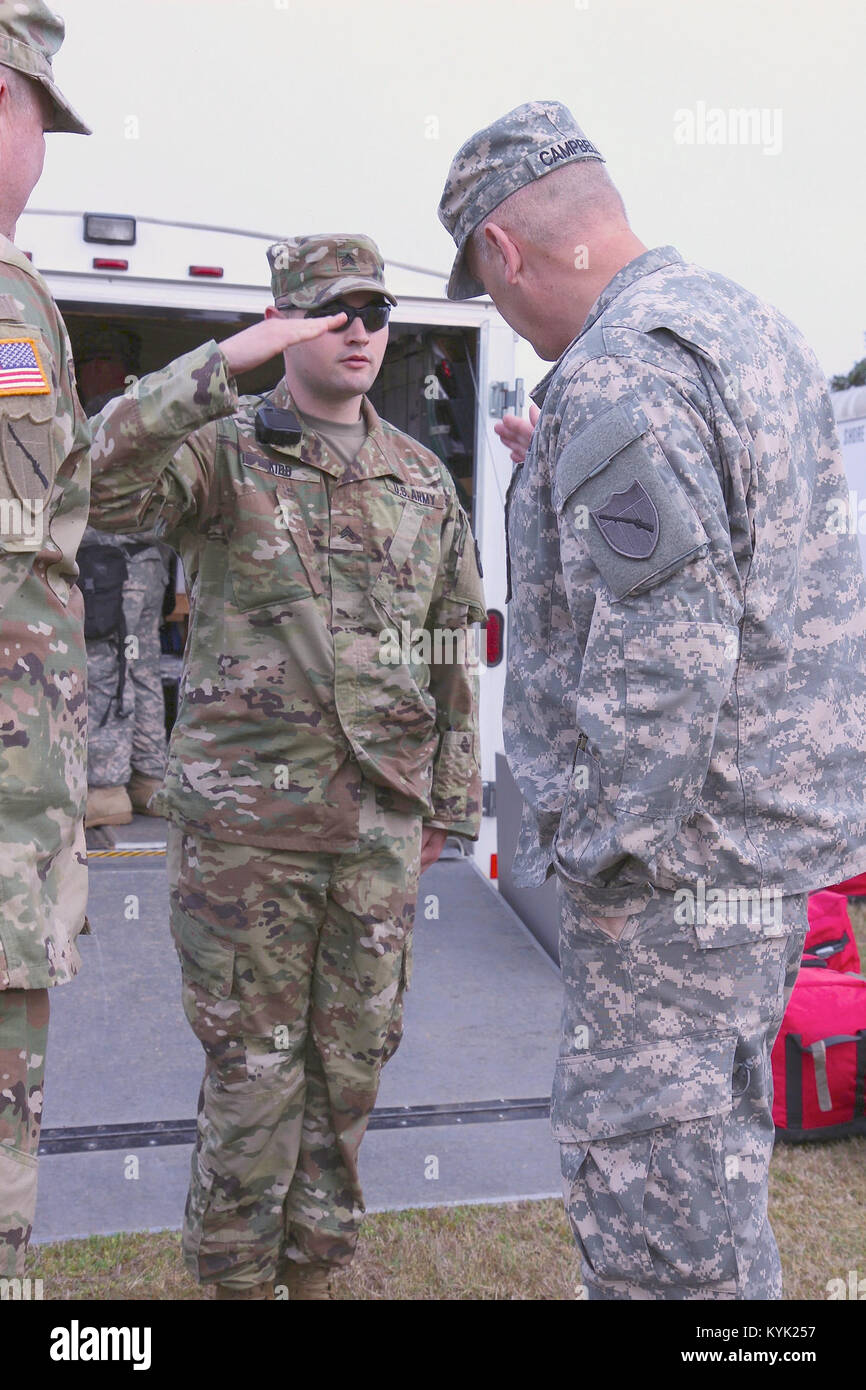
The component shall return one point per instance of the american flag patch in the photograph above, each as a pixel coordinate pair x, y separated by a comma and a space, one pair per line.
21, 371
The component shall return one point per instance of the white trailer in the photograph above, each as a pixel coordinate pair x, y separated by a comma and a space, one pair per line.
849, 407
449, 373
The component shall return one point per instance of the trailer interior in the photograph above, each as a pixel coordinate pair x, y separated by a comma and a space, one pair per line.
427, 387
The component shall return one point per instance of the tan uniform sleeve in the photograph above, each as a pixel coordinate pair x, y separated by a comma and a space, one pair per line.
154, 447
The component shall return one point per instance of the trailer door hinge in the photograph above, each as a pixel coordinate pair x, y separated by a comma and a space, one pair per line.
501, 399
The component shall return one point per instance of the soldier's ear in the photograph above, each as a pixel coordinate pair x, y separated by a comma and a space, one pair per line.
272, 312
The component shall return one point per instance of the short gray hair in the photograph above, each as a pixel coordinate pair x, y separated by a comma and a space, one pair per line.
563, 203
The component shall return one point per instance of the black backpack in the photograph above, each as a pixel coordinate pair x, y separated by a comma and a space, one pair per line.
102, 574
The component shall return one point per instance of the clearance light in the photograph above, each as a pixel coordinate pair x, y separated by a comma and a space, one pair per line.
494, 866
109, 263
493, 630
117, 231
214, 272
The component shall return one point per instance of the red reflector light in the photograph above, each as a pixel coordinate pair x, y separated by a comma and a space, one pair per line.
108, 263
493, 632
494, 866
213, 271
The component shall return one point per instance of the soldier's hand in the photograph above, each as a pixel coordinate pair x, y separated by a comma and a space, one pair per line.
252, 346
516, 433
432, 845
614, 926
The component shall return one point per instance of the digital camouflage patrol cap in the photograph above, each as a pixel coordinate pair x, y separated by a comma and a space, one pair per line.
309, 270
30, 34
521, 146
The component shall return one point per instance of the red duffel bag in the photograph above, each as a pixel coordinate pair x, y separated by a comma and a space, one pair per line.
830, 940
819, 1058
854, 887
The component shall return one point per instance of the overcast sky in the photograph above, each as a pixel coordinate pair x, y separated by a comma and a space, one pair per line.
301, 116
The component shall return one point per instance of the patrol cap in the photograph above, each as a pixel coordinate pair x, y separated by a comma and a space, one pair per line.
309, 270
30, 34
523, 145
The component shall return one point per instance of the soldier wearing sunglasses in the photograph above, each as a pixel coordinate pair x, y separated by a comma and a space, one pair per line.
309, 782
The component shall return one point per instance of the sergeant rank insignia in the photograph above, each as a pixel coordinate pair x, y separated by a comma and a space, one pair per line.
629, 522
21, 370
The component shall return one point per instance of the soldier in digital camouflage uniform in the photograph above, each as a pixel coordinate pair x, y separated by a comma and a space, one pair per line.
309, 777
44, 482
685, 701
126, 743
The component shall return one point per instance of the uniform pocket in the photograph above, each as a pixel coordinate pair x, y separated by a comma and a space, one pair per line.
404, 585
271, 554
677, 674
455, 775
641, 1135
207, 969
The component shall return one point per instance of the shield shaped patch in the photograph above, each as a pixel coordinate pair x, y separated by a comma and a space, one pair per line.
629, 522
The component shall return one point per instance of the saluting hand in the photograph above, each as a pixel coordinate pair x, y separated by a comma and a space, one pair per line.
252, 346
516, 433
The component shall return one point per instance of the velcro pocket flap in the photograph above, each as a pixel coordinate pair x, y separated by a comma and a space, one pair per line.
591, 450
617, 489
603, 1095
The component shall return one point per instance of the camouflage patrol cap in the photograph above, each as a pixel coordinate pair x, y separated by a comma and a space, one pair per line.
523, 145
310, 270
30, 34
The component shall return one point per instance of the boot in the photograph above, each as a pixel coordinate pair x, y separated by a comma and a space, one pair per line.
307, 1281
108, 806
141, 789
254, 1291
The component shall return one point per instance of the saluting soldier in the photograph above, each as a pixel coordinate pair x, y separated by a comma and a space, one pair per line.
310, 776
685, 699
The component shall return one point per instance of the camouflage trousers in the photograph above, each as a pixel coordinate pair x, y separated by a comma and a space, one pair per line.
294, 966
662, 1098
133, 736
23, 1040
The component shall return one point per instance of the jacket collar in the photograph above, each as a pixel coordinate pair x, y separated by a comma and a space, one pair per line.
645, 264
374, 459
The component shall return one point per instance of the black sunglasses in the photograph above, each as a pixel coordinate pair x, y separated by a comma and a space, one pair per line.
373, 316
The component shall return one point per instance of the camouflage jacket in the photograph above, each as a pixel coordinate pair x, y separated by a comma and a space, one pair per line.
44, 478
686, 689
44, 488
298, 569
